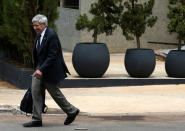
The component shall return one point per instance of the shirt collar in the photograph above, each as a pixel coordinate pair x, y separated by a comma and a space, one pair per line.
43, 32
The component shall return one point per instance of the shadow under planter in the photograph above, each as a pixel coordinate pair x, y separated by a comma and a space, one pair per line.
91, 59
21, 78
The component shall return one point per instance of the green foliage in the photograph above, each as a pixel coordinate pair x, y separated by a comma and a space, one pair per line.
177, 19
136, 18
16, 30
49, 8
105, 16
1, 6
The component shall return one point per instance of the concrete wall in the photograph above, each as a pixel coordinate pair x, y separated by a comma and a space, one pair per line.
159, 31
116, 42
68, 35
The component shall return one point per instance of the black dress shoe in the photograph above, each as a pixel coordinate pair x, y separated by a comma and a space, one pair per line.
33, 124
71, 118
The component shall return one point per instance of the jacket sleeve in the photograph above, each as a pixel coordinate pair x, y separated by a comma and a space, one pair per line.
52, 53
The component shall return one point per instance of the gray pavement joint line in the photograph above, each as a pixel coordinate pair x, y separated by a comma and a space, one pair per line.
17, 111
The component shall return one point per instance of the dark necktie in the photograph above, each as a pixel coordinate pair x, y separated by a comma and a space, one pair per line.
38, 43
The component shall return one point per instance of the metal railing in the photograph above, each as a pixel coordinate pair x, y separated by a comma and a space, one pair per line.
164, 43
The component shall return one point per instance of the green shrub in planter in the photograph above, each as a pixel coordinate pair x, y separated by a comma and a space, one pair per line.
92, 59
105, 17
175, 60
177, 20
134, 20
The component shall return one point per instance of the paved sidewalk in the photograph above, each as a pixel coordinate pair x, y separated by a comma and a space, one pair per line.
113, 100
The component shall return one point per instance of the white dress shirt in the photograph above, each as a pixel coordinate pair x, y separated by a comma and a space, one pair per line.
42, 35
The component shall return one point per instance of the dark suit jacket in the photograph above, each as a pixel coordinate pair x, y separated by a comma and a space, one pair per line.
49, 60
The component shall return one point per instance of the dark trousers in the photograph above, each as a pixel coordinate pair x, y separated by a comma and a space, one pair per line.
38, 89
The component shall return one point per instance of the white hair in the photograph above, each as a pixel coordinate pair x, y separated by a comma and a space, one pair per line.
40, 18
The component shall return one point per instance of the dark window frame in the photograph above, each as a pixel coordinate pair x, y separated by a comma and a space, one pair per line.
73, 4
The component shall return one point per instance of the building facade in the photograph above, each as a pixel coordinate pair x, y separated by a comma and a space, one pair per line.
69, 36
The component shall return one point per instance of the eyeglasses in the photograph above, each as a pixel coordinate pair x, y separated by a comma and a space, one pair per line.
36, 25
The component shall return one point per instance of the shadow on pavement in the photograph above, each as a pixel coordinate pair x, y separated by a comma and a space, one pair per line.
122, 118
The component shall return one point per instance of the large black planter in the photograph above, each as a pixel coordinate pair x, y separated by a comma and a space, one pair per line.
140, 62
175, 64
90, 60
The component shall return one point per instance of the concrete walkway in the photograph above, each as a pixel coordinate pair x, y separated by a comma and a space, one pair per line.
114, 100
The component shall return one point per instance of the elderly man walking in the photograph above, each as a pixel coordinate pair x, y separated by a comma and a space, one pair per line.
50, 70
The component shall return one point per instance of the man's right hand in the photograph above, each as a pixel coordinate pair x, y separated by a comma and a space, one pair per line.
37, 73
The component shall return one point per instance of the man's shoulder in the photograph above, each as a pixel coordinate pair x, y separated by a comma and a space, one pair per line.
51, 31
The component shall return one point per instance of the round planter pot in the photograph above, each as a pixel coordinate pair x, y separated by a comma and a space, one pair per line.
175, 64
140, 62
90, 60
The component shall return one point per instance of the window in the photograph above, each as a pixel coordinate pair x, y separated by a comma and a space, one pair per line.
74, 4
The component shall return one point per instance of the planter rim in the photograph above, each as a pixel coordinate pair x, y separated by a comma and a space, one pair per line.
177, 50
139, 49
90, 43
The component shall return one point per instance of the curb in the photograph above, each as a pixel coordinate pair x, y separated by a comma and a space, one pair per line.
14, 110
108, 82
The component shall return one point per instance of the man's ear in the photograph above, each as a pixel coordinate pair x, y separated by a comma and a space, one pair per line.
45, 24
